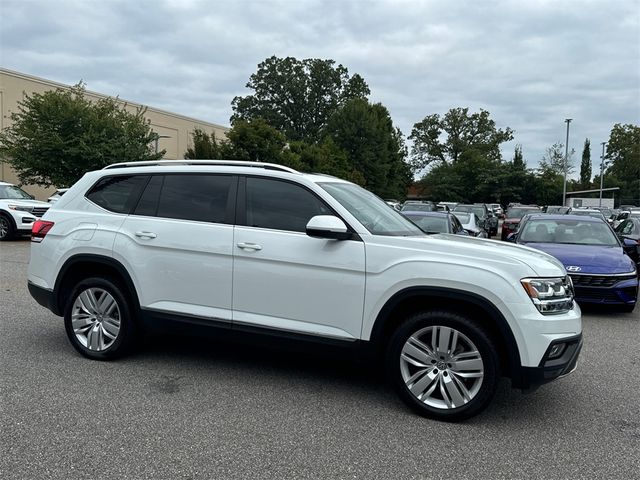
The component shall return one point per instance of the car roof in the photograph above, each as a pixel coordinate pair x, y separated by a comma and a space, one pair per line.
426, 214
555, 216
226, 166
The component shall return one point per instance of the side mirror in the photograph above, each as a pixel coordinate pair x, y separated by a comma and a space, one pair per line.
512, 237
327, 226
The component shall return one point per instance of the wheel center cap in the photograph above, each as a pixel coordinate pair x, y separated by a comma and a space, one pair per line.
441, 365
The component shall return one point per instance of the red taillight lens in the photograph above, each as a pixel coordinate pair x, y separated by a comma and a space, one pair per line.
39, 229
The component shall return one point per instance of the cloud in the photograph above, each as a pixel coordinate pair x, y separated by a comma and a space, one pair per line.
530, 63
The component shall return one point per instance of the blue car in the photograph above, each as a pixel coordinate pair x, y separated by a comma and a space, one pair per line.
592, 254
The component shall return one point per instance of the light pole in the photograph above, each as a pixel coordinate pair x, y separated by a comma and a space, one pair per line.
566, 158
601, 171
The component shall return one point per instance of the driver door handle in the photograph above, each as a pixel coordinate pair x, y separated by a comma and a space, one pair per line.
145, 235
249, 246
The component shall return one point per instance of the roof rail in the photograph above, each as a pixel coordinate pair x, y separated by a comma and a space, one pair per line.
230, 163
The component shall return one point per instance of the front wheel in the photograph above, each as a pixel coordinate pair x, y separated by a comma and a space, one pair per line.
443, 365
6, 228
98, 319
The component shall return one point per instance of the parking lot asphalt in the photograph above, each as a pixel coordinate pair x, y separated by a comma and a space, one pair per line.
186, 409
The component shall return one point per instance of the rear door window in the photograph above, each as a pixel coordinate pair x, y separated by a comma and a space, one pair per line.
197, 197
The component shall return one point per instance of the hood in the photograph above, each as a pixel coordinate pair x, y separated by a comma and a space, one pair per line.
23, 202
589, 258
471, 250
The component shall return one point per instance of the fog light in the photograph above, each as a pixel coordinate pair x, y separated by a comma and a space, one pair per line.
556, 350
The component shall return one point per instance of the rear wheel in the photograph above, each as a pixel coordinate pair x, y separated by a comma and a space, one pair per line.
6, 228
98, 319
443, 365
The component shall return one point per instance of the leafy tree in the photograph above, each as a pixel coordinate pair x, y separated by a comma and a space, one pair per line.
553, 160
518, 159
375, 148
205, 146
297, 97
256, 141
585, 166
326, 157
623, 161
59, 135
445, 139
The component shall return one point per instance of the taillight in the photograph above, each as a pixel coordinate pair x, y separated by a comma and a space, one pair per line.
39, 229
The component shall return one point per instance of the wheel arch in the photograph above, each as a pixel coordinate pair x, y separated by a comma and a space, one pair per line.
87, 265
414, 299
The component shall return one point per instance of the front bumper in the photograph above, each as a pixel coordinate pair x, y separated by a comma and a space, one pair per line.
622, 293
549, 369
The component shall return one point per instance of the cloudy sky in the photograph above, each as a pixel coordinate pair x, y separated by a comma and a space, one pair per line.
530, 63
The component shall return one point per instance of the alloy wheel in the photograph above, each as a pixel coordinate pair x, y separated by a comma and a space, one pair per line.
441, 367
95, 319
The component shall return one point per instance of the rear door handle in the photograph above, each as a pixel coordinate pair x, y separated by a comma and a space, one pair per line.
249, 246
145, 235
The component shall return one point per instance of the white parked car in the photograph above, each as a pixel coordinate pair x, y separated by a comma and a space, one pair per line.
18, 211
259, 249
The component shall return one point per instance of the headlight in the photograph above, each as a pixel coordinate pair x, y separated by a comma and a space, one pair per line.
20, 208
550, 295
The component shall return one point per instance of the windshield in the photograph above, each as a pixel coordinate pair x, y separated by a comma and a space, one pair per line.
479, 211
576, 232
587, 213
520, 212
371, 211
557, 209
463, 217
13, 192
430, 224
419, 207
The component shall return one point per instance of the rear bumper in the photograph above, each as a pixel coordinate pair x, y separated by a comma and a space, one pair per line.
549, 369
43, 296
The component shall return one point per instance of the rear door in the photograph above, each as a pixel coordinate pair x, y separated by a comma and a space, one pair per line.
178, 245
285, 280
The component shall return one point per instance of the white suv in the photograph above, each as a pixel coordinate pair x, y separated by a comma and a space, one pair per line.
253, 248
18, 211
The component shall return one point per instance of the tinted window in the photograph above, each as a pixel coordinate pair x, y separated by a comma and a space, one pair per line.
430, 224
148, 204
281, 205
200, 197
117, 194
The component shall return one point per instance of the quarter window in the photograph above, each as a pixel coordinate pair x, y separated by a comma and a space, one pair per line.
117, 194
281, 205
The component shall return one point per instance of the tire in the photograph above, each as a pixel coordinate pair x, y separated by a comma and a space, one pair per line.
467, 388
6, 228
98, 319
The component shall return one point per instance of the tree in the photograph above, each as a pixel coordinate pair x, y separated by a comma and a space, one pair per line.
59, 135
461, 131
297, 97
585, 166
256, 141
623, 161
553, 160
518, 159
205, 146
374, 147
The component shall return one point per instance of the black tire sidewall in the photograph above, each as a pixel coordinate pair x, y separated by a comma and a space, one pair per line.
127, 329
475, 333
10, 229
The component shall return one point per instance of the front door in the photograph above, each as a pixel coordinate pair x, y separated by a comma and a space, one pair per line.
285, 280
